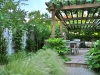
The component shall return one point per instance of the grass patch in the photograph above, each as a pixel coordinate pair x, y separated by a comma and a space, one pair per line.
44, 62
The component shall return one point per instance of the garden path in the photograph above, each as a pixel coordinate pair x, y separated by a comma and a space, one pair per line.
77, 64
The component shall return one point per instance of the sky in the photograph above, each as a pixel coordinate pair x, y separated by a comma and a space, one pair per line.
36, 5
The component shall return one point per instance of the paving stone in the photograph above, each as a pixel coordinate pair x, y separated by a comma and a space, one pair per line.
80, 58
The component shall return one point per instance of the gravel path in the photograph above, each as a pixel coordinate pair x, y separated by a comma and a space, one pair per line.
79, 71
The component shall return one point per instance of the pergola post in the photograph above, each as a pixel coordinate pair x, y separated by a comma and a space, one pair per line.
53, 25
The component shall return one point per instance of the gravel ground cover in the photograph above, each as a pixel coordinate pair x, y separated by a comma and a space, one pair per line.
79, 71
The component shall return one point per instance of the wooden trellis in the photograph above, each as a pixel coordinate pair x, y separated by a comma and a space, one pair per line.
72, 15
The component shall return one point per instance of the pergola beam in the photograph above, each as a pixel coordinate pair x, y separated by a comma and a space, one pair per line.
59, 17
62, 17
82, 25
82, 6
79, 18
66, 16
82, 18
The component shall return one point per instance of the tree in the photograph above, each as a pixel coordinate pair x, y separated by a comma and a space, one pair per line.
12, 17
38, 29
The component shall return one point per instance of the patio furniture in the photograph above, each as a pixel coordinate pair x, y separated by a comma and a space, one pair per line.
68, 46
74, 47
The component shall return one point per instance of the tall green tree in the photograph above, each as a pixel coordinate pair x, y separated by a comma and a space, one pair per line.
39, 27
13, 17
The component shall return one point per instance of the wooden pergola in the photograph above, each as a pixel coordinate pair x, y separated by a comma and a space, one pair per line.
77, 16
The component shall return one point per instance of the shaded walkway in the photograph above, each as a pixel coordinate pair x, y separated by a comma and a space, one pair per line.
77, 64
78, 60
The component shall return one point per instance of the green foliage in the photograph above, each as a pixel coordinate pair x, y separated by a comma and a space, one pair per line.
17, 39
57, 31
58, 45
39, 27
72, 2
30, 46
17, 56
57, 2
99, 73
11, 16
44, 62
93, 56
3, 59
3, 48
85, 34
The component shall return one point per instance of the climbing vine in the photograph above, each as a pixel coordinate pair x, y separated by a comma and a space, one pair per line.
72, 2
58, 5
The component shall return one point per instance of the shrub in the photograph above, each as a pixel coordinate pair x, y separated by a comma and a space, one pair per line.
30, 46
17, 39
58, 45
93, 56
99, 73
44, 62
3, 50
3, 59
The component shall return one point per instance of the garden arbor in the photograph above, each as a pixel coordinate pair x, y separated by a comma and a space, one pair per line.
75, 14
